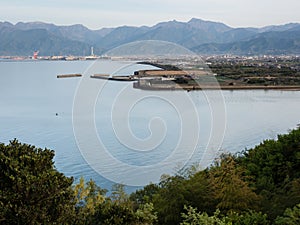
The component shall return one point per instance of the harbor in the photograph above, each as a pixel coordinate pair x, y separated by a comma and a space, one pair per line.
159, 79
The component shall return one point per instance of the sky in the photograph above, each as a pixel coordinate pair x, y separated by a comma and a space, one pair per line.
96, 14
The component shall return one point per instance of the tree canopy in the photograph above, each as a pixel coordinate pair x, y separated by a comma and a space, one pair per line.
31, 189
257, 186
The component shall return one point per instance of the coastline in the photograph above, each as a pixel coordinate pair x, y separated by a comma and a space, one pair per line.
216, 87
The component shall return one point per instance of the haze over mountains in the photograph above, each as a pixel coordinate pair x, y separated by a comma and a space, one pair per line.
201, 36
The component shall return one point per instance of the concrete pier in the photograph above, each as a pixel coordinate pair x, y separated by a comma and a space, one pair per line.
69, 75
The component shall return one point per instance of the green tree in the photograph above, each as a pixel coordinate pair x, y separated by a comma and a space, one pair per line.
199, 192
109, 213
231, 190
170, 200
119, 196
247, 218
146, 215
144, 195
88, 196
193, 217
274, 166
116, 209
290, 216
32, 191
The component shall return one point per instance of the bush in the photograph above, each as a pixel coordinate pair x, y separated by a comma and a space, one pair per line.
32, 191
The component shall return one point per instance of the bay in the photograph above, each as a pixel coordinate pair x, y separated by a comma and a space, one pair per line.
147, 133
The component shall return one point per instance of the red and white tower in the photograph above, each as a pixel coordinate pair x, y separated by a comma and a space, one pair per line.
35, 54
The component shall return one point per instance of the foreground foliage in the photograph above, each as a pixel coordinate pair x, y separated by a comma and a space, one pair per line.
258, 186
192, 216
31, 189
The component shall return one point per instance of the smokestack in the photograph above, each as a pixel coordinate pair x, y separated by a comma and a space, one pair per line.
92, 51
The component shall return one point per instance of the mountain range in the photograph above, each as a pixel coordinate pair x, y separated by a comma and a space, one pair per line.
204, 37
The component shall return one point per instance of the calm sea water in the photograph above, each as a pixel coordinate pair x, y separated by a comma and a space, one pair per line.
109, 131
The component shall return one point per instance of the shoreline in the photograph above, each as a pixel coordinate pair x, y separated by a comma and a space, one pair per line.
197, 88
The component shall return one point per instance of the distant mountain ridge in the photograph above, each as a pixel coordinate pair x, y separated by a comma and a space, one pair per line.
204, 37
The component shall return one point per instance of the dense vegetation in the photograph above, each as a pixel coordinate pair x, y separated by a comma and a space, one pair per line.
258, 72
257, 186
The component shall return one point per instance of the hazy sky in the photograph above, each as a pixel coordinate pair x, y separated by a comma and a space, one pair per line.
96, 14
